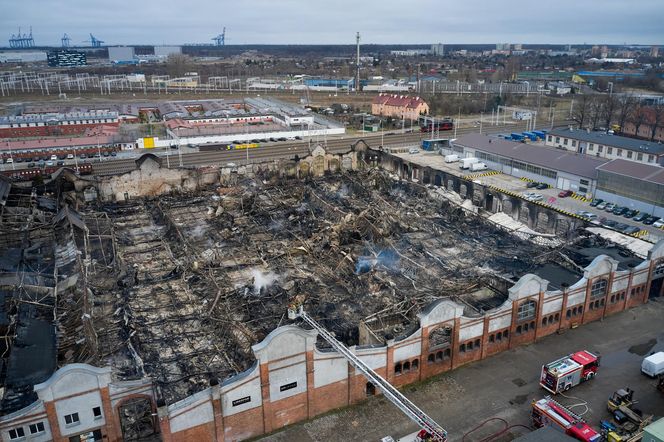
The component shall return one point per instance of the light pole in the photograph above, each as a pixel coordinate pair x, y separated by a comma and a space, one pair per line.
610, 88
481, 116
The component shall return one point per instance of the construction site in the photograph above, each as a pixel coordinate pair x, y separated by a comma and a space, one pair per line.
180, 294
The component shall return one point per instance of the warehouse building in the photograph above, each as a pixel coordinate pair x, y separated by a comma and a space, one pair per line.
604, 145
121, 54
638, 186
563, 170
165, 51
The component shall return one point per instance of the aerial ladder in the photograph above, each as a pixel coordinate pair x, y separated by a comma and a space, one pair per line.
295, 310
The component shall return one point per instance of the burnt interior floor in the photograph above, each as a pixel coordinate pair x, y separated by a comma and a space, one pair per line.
181, 286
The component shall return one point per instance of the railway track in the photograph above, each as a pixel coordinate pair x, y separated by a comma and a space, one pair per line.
173, 158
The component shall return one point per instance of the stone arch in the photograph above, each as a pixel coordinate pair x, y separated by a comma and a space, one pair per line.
334, 165
543, 219
508, 206
438, 180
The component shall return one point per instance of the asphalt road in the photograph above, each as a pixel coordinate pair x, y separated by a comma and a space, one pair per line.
505, 385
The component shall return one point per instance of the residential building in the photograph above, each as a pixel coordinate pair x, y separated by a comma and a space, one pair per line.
644, 129
604, 145
399, 106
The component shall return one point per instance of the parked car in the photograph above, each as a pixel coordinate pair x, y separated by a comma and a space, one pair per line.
113, 154
31, 165
532, 184
70, 156
630, 213
50, 163
542, 186
532, 196
586, 214
620, 226
659, 224
596, 202
609, 207
413, 150
630, 230
60, 163
640, 217
651, 220
609, 223
620, 210
602, 205
565, 193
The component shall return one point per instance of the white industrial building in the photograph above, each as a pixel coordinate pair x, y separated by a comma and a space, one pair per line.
165, 51
121, 53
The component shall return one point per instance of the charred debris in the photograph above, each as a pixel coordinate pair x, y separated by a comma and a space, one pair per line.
180, 287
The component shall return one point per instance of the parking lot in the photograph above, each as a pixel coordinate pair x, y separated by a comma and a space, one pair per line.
549, 196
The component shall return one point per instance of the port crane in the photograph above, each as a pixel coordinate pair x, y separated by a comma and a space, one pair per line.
296, 310
220, 40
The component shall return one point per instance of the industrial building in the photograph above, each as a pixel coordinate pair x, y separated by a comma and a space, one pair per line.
119, 54
165, 51
605, 145
66, 58
22, 56
633, 185
563, 170
170, 308
55, 124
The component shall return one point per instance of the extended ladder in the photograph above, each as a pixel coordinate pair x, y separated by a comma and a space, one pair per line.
391, 393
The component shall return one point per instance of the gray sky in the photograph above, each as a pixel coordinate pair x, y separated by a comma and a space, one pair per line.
335, 22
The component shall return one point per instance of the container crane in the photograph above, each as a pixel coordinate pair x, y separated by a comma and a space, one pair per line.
94, 42
65, 41
295, 310
220, 40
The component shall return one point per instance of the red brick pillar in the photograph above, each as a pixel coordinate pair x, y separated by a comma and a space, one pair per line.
389, 364
218, 414
563, 306
164, 423
311, 390
112, 424
424, 354
515, 311
485, 336
609, 290
265, 394
538, 313
455, 342
53, 421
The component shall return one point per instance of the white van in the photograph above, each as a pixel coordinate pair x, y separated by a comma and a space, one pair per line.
653, 365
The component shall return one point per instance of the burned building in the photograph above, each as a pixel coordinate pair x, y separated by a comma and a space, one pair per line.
166, 312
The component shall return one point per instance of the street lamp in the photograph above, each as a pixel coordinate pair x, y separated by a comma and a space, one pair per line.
610, 88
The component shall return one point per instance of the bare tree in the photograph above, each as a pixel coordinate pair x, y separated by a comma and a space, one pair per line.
596, 111
624, 109
658, 114
609, 109
638, 117
178, 64
581, 112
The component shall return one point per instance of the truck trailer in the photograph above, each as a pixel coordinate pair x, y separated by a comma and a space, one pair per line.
466, 162
566, 372
478, 166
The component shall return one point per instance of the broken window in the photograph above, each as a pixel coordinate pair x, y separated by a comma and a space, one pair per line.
598, 288
440, 337
526, 310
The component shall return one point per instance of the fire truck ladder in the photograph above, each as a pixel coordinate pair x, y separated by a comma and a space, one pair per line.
391, 393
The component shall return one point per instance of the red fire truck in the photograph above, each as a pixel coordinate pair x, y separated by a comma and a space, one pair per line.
549, 412
565, 373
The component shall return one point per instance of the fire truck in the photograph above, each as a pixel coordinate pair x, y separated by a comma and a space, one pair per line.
549, 412
564, 373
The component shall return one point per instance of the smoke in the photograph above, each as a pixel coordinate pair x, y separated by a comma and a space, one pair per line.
198, 231
262, 280
386, 259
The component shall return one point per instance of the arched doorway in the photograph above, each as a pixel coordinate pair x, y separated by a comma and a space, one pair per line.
138, 419
370, 389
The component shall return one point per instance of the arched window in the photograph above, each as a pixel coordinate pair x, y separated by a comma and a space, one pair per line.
439, 355
406, 367
397, 368
440, 337
477, 343
598, 289
526, 310
430, 358
415, 364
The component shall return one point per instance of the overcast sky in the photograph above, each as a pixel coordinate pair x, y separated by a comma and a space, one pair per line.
336, 21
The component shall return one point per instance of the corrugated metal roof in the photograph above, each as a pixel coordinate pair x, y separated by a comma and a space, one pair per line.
656, 429
645, 172
606, 139
554, 159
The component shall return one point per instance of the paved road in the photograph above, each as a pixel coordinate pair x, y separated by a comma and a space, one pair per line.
504, 385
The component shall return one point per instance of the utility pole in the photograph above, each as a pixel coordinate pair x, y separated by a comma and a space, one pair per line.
357, 64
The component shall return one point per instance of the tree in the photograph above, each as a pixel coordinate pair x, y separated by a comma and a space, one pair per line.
625, 107
638, 117
657, 120
581, 112
609, 108
178, 64
596, 110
